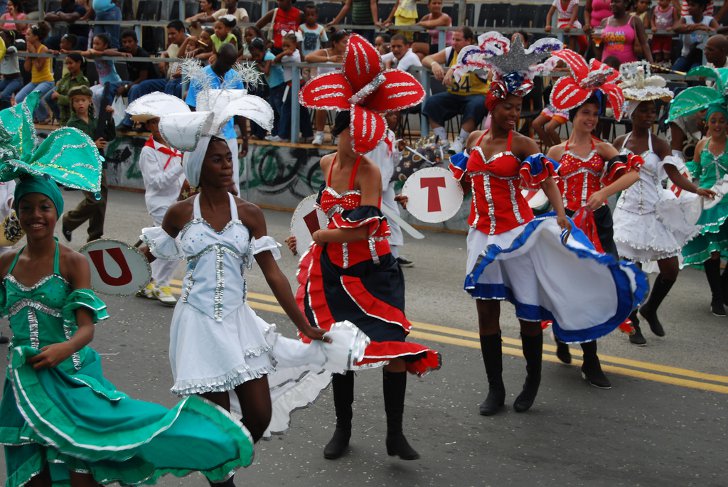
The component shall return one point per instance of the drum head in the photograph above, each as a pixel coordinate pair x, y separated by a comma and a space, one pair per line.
433, 195
116, 267
307, 218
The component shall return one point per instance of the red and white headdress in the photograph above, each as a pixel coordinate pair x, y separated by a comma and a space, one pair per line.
365, 90
585, 80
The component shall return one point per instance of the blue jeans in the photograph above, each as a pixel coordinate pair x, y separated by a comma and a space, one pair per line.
275, 98
171, 87
114, 31
284, 126
8, 87
41, 113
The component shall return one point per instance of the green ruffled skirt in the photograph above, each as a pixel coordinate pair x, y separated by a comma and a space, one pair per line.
80, 422
713, 236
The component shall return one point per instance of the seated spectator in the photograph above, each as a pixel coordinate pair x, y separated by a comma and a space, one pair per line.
57, 99
172, 82
466, 97
137, 71
108, 10
12, 80
382, 43
716, 51
231, 8
404, 13
205, 14
222, 34
109, 79
69, 12
15, 11
402, 57
695, 29
333, 54
41, 69
285, 17
198, 48
427, 43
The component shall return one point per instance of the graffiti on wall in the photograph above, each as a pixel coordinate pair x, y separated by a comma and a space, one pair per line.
273, 175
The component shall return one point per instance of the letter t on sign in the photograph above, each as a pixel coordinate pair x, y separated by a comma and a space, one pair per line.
433, 193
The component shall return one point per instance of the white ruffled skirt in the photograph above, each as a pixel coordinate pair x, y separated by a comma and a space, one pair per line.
586, 294
217, 356
659, 234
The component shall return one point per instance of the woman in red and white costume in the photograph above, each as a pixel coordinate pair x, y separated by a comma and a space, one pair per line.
513, 256
349, 272
590, 169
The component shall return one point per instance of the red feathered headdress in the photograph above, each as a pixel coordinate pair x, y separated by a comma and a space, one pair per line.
364, 89
572, 91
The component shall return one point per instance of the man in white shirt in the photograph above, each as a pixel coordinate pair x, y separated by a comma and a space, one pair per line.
161, 168
402, 57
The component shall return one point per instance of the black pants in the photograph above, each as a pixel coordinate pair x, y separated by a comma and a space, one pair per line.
89, 209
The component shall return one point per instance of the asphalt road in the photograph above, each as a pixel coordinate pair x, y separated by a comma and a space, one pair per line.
663, 423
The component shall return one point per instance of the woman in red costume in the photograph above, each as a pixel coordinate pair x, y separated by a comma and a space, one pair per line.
531, 262
349, 272
590, 169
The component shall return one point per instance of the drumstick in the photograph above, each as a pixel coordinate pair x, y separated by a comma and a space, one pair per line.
667, 70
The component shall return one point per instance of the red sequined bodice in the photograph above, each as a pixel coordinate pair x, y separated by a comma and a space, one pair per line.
580, 177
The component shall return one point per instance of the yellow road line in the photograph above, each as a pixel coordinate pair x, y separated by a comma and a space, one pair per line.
469, 339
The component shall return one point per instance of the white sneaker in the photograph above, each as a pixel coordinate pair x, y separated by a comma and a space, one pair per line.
318, 139
456, 147
273, 138
164, 295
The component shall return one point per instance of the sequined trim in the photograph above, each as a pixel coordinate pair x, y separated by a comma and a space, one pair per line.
35, 286
226, 382
22, 303
75, 357
345, 254
514, 203
33, 327
489, 202
188, 282
373, 250
219, 283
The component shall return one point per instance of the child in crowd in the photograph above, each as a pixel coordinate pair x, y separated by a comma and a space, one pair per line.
289, 56
223, 27
161, 168
262, 59
382, 43
404, 13
250, 33
566, 20
12, 80
41, 69
279, 87
203, 48
665, 16
695, 29
313, 33
547, 125
58, 99
66, 44
643, 12
109, 79
90, 208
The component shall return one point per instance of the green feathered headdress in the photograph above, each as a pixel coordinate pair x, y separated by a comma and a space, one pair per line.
67, 156
697, 98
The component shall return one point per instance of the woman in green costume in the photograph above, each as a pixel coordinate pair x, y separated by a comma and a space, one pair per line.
61, 421
709, 165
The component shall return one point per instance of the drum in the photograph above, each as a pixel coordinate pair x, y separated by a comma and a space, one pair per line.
434, 196
116, 267
307, 218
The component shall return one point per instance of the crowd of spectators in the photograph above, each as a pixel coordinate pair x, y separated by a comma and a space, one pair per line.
676, 35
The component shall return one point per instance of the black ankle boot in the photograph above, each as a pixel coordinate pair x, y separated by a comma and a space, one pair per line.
636, 337
394, 386
228, 483
491, 347
591, 369
562, 351
532, 351
649, 310
712, 273
343, 386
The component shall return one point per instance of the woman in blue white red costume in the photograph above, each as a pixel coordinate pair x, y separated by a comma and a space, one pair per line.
709, 168
514, 256
590, 170
650, 222
219, 348
349, 272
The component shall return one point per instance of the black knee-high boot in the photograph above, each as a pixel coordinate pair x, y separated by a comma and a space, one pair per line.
591, 369
394, 386
562, 351
343, 386
648, 310
532, 351
712, 272
491, 346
